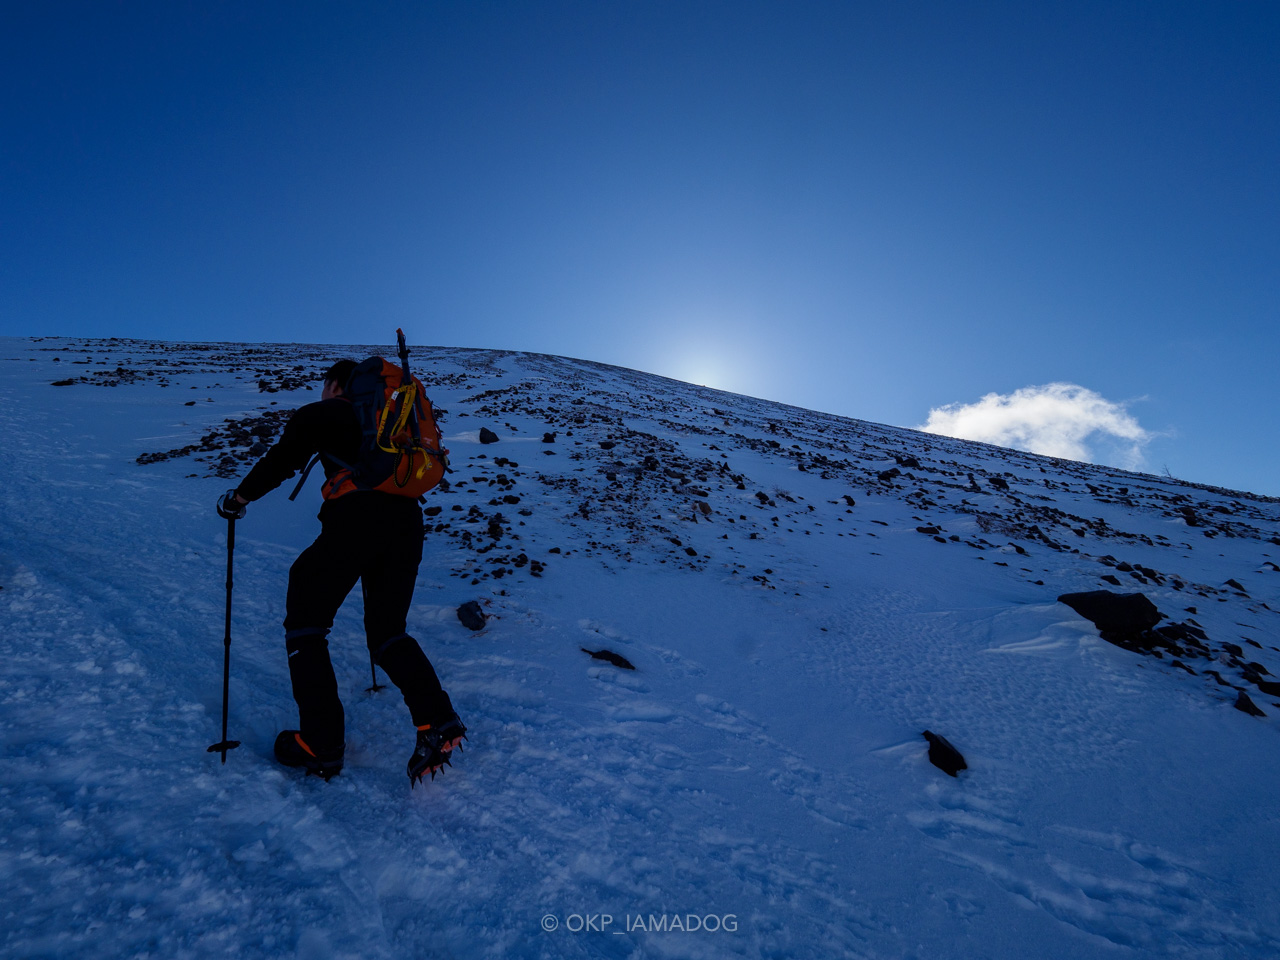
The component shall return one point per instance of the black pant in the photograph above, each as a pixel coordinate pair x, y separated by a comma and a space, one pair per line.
375, 538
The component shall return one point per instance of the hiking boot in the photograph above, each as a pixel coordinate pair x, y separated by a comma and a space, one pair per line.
435, 744
292, 751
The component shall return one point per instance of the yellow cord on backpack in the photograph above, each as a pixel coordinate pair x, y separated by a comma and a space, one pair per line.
402, 421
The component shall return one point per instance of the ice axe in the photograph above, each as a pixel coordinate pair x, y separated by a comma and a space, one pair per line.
224, 745
403, 349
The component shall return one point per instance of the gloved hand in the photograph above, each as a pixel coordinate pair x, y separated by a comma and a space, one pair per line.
229, 508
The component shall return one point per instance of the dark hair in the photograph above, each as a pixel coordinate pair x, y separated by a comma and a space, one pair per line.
340, 371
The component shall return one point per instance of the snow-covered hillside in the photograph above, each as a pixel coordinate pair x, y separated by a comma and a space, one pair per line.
801, 596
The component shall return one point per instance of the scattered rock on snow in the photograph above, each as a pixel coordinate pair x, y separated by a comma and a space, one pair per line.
487, 435
943, 755
608, 655
472, 617
1245, 705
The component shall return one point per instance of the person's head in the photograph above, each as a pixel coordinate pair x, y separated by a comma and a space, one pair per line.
335, 379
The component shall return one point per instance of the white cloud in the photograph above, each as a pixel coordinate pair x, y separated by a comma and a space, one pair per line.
1057, 420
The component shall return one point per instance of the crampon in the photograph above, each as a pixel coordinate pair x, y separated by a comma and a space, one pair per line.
433, 752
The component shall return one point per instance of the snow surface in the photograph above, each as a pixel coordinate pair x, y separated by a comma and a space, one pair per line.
762, 770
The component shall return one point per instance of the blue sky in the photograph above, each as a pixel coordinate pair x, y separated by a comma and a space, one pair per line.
873, 209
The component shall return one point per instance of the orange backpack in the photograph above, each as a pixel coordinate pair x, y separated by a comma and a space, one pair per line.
400, 450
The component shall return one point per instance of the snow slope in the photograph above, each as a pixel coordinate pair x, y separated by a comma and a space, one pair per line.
761, 771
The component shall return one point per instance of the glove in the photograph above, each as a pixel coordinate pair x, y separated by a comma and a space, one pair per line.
229, 508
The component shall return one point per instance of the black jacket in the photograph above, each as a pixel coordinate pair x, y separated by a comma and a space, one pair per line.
327, 426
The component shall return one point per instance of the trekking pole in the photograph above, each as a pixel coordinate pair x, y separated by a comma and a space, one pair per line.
224, 745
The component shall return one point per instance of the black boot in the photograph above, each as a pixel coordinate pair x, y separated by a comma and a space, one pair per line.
293, 751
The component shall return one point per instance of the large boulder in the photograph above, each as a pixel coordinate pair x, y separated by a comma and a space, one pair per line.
1124, 619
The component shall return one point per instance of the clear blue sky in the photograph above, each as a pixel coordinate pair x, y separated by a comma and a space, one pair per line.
872, 209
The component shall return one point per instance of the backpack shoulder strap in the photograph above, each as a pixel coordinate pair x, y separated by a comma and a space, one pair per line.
328, 457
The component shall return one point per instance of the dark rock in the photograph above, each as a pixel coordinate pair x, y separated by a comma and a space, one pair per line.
551, 438
1182, 632
1269, 687
888, 475
909, 463
609, 656
63, 383
1110, 579
472, 617
1121, 618
1245, 705
849, 501
931, 531
999, 483
487, 435
943, 755
1235, 585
